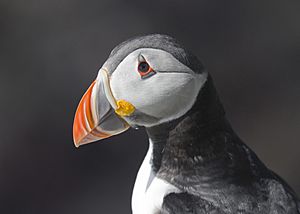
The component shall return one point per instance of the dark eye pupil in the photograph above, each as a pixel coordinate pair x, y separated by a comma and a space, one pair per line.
143, 67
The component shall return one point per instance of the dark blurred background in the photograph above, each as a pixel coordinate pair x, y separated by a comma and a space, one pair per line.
50, 52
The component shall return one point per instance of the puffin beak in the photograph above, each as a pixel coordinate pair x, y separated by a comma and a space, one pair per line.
95, 118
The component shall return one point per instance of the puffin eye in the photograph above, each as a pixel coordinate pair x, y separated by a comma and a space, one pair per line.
143, 67
145, 70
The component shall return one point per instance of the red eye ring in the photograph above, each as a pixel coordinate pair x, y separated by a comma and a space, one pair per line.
143, 67
145, 70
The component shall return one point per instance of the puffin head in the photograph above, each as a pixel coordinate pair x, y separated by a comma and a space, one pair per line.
146, 81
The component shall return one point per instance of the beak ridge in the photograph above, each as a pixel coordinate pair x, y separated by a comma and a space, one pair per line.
95, 118
84, 127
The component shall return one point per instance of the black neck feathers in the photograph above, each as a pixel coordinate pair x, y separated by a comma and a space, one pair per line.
206, 113
201, 143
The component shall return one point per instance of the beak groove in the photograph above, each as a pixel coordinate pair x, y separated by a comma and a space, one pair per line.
95, 118
84, 123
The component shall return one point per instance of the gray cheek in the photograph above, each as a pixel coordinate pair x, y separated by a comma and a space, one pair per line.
124, 85
141, 119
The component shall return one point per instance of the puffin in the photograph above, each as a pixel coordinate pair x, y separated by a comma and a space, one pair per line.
196, 163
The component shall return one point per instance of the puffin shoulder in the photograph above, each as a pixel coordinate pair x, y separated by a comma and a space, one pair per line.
185, 203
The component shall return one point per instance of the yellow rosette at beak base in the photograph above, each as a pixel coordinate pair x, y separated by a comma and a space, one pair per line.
124, 108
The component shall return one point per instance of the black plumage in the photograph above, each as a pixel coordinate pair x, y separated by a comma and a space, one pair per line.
200, 154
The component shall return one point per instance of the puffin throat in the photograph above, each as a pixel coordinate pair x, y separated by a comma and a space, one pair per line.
198, 144
206, 111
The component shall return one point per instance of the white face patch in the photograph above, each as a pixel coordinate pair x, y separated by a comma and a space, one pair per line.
167, 95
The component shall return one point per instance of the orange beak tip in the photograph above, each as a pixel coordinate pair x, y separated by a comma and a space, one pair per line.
87, 127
